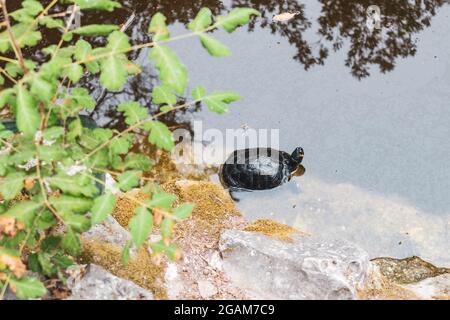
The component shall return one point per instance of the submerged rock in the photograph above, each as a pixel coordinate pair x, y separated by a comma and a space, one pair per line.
408, 270
99, 284
305, 268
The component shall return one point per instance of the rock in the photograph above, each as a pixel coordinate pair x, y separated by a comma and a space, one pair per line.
304, 268
408, 270
99, 284
206, 289
173, 282
432, 288
110, 231
378, 287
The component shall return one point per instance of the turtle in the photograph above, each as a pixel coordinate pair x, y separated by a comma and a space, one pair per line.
259, 169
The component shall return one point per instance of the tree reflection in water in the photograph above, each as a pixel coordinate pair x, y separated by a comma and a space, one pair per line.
341, 26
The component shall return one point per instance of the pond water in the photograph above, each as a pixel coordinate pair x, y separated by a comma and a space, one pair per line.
371, 110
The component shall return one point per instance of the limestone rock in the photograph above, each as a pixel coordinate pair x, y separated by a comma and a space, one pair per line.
110, 231
304, 268
99, 284
206, 289
432, 288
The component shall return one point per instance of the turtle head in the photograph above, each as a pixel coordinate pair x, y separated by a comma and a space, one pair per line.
297, 155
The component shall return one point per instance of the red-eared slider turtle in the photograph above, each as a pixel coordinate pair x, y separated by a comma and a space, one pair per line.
259, 168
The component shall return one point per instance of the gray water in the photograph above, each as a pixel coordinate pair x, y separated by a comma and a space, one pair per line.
374, 119
377, 150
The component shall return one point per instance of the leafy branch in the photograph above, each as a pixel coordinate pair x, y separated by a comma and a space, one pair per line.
52, 159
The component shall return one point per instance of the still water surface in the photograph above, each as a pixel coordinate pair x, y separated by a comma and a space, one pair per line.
371, 110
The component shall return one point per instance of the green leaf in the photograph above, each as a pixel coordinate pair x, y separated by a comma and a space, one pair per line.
113, 73
50, 243
237, 17
24, 211
133, 111
30, 38
118, 42
158, 27
128, 180
75, 129
163, 94
103, 207
68, 36
227, 96
166, 108
126, 252
45, 221
202, 21
71, 242
96, 30
53, 133
30, 8
51, 23
5, 96
138, 162
76, 221
11, 185
198, 93
161, 200
74, 72
27, 288
15, 69
171, 71
27, 115
51, 153
83, 52
218, 101
166, 228
214, 47
215, 105
183, 211
141, 226
42, 89
82, 98
120, 145
74, 185
160, 247
160, 135
63, 261
47, 266
69, 203
108, 5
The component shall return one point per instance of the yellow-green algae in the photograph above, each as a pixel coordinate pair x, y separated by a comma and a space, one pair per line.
273, 229
141, 269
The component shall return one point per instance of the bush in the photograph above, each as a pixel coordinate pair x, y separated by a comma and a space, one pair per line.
51, 162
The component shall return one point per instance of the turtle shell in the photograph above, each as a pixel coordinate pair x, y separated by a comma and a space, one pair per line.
256, 169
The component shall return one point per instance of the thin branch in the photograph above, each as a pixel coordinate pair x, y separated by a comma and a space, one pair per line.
14, 43
7, 75
137, 125
5, 286
125, 195
9, 60
142, 45
68, 24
